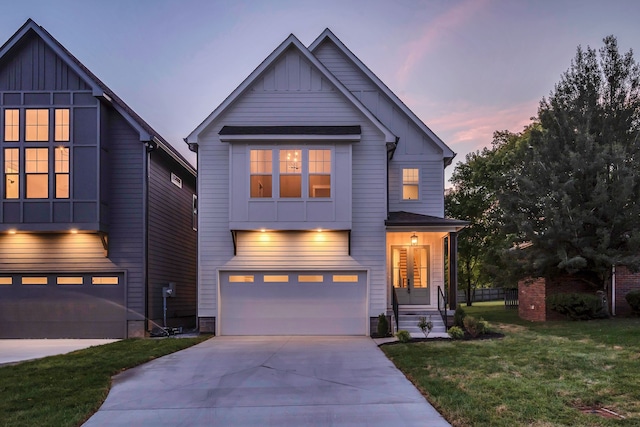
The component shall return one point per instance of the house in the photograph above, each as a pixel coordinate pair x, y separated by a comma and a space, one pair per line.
97, 214
321, 197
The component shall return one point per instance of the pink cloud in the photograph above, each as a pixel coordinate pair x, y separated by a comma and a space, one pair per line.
452, 19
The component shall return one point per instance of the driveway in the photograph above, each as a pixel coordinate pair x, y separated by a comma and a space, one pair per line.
268, 381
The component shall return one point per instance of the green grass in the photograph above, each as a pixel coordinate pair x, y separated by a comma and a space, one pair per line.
66, 390
539, 374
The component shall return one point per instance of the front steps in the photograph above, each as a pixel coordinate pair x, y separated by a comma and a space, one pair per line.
408, 318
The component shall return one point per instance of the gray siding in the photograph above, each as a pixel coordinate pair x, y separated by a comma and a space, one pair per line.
172, 243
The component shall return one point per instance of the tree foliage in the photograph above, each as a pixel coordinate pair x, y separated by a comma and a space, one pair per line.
573, 196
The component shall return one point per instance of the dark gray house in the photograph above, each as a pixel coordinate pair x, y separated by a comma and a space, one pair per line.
97, 210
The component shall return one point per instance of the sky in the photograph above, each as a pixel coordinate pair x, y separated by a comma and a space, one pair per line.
466, 68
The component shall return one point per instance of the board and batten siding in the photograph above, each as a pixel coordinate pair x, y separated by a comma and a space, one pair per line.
290, 93
172, 242
415, 149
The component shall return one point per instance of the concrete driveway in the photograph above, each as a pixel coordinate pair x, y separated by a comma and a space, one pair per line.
268, 381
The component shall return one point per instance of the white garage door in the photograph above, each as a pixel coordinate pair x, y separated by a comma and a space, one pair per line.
293, 303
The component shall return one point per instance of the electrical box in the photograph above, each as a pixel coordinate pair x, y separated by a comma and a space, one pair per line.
169, 291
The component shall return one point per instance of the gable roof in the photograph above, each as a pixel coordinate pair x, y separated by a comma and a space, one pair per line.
328, 35
99, 89
291, 41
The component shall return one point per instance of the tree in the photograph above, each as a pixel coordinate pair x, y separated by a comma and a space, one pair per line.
573, 197
473, 198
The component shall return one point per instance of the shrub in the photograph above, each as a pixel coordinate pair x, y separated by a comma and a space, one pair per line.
475, 327
633, 298
456, 332
425, 326
577, 306
403, 336
458, 317
383, 325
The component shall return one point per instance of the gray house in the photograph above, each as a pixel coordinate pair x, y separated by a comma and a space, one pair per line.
97, 211
321, 201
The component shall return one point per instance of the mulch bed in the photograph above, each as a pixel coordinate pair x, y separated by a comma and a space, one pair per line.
467, 337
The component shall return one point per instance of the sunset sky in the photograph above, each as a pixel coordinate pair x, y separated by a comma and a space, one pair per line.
465, 67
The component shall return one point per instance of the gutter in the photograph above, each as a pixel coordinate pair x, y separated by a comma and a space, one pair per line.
391, 150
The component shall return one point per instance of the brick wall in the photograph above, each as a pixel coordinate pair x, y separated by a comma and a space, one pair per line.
532, 294
531, 299
626, 281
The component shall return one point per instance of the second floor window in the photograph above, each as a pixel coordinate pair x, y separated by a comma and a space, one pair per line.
36, 168
260, 174
11, 173
11, 125
290, 173
410, 184
36, 125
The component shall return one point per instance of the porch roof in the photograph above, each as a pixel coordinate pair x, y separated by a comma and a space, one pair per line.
405, 220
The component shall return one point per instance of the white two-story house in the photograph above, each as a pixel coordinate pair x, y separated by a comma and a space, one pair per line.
321, 200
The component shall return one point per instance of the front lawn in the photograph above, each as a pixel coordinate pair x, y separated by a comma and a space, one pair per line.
539, 374
66, 390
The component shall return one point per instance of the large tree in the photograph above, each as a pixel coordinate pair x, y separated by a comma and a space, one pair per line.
573, 200
473, 198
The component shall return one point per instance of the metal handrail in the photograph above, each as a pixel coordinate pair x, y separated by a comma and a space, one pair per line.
442, 307
394, 304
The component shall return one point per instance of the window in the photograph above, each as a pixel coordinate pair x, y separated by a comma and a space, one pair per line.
34, 281
290, 173
270, 278
106, 280
316, 278
61, 124
176, 180
352, 278
62, 172
12, 125
319, 173
11, 173
36, 168
410, 181
73, 280
36, 125
260, 173
6, 280
241, 279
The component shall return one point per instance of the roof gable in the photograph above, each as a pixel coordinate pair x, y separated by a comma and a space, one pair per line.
328, 36
263, 69
30, 32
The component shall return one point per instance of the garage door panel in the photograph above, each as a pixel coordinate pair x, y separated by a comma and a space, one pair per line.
293, 309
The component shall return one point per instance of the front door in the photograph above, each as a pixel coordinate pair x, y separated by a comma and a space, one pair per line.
410, 269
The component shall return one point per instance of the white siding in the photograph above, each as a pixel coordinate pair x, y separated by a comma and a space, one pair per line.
282, 97
431, 187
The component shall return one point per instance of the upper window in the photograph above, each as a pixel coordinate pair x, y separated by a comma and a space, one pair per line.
36, 125
11, 173
290, 173
299, 173
410, 184
260, 175
11, 125
36, 167
319, 173
62, 124
62, 172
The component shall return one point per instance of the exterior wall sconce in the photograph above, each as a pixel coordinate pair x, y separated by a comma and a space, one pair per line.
414, 239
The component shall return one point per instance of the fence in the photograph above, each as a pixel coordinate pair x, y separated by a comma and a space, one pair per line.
484, 294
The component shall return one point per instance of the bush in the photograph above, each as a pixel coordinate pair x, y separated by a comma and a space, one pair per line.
577, 306
383, 325
403, 336
458, 317
425, 325
633, 298
456, 332
475, 327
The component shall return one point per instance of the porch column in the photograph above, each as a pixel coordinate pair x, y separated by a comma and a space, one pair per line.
453, 270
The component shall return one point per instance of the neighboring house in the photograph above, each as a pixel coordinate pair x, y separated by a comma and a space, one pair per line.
97, 213
320, 194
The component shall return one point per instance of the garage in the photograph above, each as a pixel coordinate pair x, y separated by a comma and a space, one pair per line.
62, 305
293, 303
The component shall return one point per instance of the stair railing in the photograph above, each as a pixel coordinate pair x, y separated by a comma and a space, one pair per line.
442, 307
394, 304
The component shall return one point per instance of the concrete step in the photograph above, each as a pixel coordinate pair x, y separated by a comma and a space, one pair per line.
408, 321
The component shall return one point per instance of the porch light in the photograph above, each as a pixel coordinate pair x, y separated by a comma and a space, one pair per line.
414, 239
12, 231
74, 231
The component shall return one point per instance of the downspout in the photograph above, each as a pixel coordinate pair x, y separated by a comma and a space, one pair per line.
613, 290
148, 147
